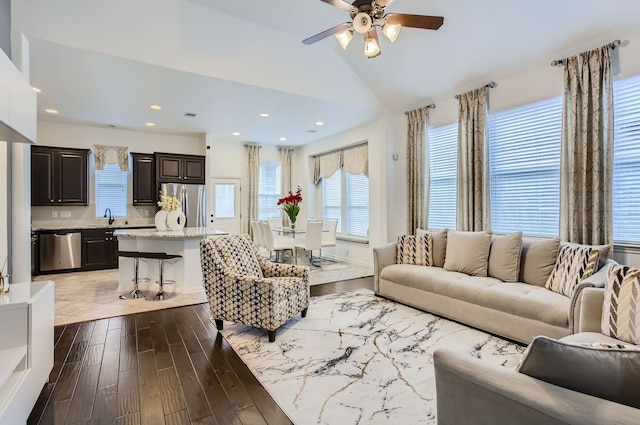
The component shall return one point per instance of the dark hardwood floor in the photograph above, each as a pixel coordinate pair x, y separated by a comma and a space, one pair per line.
163, 367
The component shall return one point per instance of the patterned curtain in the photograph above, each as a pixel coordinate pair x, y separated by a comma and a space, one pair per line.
325, 165
355, 160
473, 212
286, 170
417, 196
587, 149
253, 177
111, 155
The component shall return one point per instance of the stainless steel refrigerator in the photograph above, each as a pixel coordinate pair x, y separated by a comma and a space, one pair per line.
193, 198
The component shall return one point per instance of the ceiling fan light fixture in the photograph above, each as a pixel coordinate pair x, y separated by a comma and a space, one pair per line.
371, 47
391, 31
344, 38
362, 23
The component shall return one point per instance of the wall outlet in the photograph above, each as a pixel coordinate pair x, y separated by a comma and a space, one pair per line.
54, 214
65, 214
346, 252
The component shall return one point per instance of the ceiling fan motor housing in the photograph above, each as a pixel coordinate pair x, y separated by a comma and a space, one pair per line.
362, 22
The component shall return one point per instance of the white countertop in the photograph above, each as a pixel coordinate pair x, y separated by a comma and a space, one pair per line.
187, 232
70, 226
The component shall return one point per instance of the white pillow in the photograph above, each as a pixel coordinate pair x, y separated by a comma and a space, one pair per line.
467, 252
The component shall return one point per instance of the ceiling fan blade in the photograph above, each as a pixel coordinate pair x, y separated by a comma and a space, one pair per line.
327, 33
340, 4
415, 21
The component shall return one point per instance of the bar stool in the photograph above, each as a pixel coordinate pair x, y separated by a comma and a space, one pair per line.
136, 293
162, 256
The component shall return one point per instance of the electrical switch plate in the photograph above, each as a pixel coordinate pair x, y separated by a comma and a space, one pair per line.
65, 214
54, 214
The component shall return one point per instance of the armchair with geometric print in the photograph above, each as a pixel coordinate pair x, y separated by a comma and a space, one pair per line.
245, 288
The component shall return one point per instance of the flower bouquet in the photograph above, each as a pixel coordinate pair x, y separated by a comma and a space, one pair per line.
169, 203
291, 205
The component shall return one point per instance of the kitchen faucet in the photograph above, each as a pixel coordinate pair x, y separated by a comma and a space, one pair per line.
111, 219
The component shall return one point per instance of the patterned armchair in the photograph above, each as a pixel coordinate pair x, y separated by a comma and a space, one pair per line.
243, 287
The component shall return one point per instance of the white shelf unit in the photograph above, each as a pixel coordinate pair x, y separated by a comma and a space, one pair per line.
26, 348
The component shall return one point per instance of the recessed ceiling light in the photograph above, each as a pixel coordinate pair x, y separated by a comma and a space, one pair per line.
264, 115
235, 133
283, 139
150, 124
155, 107
319, 123
37, 90
51, 111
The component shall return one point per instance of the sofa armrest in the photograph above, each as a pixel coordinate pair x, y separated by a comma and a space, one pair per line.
470, 391
382, 256
591, 310
596, 280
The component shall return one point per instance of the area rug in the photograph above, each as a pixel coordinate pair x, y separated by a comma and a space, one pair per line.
360, 359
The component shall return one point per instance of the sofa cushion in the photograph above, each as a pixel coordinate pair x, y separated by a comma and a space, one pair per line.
439, 244
610, 373
467, 252
431, 279
537, 258
504, 257
621, 308
574, 263
596, 338
414, 250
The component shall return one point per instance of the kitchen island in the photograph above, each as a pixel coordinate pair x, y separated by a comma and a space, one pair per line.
185, 271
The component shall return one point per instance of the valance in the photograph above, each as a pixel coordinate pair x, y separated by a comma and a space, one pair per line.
111, 155
354, 159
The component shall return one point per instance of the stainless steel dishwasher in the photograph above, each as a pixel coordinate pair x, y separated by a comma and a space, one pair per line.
60, 251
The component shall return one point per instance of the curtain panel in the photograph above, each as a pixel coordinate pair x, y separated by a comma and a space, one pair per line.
587, 149
286, 155
417, 170
473, 210
253, 177
111, 155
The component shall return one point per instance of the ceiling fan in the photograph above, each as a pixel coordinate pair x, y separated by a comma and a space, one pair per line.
366, 15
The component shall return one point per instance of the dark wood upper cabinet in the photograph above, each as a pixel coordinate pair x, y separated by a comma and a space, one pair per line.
145, 190
59, 176
172, 168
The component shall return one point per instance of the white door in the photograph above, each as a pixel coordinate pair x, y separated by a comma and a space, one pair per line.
224, 210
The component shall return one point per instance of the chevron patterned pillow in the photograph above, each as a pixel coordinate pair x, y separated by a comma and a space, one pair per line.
415, 249
573, 264
621, 308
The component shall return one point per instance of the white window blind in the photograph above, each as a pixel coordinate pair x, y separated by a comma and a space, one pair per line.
345, 196
443, 160
524, 162
626, 166
111, 191
269, 190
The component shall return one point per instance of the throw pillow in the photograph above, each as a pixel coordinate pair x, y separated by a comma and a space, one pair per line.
609, 373
537, 259
621, 308
504, 257
574, 263
439, 244
414, 250
467, 252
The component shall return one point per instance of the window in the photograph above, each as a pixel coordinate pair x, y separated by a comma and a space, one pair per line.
524, 168
111, 191
626, 165
269, 189
346, 197
443, 160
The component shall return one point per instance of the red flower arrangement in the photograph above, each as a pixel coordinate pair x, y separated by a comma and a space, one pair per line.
291, 205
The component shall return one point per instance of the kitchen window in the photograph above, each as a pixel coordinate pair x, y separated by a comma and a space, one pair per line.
111, 191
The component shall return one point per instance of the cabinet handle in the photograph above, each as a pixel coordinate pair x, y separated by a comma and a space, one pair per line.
52, 200
59, 200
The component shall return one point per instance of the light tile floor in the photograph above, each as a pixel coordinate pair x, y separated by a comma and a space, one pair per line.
83, 296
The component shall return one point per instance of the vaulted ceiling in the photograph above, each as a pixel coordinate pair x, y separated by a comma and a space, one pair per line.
105, 63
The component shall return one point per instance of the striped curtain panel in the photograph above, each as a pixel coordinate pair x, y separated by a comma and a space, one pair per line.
286, 155
417, 170
252, 168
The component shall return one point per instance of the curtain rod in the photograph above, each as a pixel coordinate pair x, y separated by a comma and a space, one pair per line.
430, 106
490, 85
341, 149
561, 62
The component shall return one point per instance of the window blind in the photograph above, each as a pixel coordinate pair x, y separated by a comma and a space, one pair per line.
269, 189
357, 201
443, 160
626, 162
332, 198
111, 191
524, 167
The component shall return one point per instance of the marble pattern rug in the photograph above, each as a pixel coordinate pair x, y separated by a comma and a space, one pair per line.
360, 359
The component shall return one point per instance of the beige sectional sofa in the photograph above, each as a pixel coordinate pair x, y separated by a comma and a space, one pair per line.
519, 308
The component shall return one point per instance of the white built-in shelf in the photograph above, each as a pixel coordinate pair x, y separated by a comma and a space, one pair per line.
10, 372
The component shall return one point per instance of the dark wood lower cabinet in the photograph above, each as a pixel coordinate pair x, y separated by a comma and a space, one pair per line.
99, 249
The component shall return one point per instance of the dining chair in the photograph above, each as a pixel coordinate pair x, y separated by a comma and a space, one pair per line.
312, 241
275, 222
255, 234
329, 228
279, 246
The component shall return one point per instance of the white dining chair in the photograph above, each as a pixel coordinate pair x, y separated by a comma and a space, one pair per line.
279, 246
329, 228
275, 222
256, 234
312, 241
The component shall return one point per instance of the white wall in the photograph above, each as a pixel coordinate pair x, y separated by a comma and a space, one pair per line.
4, 185
84, 136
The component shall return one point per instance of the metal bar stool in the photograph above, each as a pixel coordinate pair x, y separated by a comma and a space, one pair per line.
162, 256
135, 293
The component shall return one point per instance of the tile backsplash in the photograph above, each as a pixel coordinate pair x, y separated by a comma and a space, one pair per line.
81, 216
